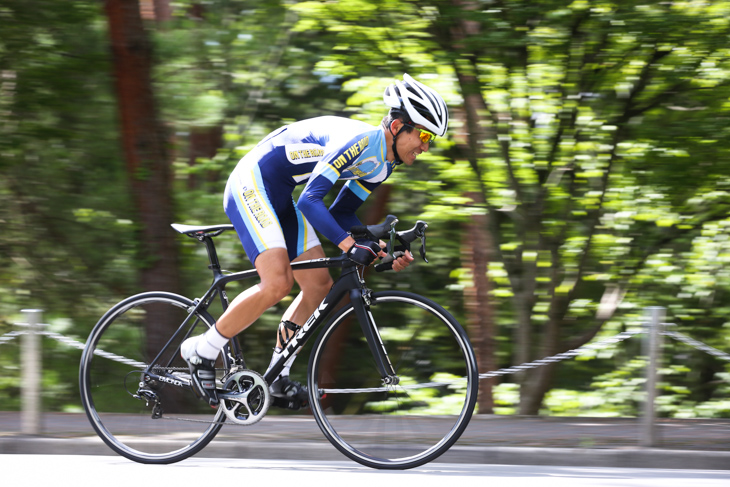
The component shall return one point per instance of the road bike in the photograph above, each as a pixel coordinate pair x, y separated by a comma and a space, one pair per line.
392, 376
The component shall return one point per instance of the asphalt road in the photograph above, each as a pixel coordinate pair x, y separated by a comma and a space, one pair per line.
710, 435
82, 471
489, 440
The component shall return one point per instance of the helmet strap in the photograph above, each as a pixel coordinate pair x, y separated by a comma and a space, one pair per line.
396, 158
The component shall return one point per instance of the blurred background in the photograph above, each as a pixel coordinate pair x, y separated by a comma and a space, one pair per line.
585, 174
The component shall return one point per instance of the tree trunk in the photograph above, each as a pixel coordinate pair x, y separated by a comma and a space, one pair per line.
148, 167
163, 11
480, 311
204, 142
479, 244
537, 382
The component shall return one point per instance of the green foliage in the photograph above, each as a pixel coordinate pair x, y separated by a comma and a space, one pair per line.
599, 149
67, 236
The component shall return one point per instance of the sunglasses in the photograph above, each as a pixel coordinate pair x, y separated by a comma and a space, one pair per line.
425, 136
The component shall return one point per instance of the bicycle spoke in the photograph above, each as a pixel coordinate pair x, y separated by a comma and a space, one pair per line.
145, 412
399, 425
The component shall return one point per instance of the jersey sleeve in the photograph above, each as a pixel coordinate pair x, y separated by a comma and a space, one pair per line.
351, 197
334, 225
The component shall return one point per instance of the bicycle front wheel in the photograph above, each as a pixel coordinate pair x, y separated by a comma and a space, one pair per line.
143, 418
401, 425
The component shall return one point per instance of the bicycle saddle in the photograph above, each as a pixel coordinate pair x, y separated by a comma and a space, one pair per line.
195, 230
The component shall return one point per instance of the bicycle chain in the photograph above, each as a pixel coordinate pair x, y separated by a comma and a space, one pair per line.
188, 420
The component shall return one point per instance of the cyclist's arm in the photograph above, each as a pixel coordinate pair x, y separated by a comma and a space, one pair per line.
324, 176
342, 211
350, 198
311, 204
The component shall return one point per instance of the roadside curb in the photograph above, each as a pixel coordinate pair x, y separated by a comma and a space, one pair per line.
588, 457
483, 455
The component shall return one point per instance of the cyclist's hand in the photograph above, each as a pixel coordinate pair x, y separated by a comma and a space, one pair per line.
403, 261
364, 252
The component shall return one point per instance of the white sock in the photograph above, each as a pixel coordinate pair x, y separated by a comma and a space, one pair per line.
285, 371
209, 344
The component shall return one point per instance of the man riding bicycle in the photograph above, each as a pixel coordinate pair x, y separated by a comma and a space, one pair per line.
275, 231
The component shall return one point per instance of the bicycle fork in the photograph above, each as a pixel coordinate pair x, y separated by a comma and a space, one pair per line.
360, 300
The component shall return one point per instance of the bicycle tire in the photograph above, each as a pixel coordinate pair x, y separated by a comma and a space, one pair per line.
116, 352
401, 426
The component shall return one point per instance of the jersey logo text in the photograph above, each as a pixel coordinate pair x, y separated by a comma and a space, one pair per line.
351, 153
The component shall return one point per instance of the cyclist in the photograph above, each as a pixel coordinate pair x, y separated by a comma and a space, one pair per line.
274, 230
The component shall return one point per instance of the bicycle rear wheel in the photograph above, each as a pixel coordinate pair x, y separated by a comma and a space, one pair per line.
396, 426
165, 422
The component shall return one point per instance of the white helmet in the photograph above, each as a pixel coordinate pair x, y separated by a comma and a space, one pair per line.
422, 104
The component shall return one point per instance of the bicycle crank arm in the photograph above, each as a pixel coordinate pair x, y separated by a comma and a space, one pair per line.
232, 396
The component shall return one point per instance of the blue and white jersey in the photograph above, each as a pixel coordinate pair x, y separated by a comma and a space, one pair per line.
317, 152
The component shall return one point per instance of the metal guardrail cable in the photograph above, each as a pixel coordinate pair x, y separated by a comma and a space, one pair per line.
600, 345
11, 335
101, 353
697, 344
562, 356
71, 343
63, 339
506, 371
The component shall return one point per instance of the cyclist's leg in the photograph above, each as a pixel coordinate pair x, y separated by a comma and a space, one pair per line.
314, 285
271, 228
276, 283
255, 217
261, 221
303, 244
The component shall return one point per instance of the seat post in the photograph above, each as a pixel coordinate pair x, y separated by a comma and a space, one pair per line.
215, 265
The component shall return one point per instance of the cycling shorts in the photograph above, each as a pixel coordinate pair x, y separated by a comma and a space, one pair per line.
263, 211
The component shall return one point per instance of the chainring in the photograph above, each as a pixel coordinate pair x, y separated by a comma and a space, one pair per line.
247, 400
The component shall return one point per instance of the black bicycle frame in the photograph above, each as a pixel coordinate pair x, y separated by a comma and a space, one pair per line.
349, 283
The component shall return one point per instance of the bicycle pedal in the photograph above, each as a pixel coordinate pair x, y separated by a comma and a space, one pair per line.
287, 403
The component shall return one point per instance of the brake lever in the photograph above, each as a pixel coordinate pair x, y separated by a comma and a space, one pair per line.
423, 247
391, 247
421, 233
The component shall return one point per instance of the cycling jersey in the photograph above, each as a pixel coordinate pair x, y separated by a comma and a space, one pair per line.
316, 152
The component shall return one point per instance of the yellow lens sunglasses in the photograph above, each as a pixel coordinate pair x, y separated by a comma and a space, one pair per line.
425, 136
